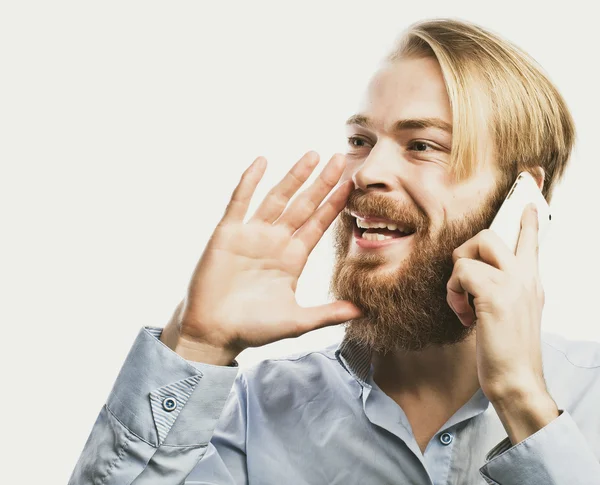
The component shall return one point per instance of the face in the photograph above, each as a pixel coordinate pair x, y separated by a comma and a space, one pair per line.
394, 241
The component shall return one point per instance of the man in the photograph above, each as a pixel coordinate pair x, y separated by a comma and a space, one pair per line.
443, 375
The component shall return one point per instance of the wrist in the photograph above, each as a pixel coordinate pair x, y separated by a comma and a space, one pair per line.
195, 350
524, 413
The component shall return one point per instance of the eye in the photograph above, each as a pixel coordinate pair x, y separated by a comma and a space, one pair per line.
421, 146
356, 142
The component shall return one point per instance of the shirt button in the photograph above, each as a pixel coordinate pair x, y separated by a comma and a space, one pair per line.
169, 404
446, 438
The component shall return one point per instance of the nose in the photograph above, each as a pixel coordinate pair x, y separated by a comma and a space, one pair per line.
378, 171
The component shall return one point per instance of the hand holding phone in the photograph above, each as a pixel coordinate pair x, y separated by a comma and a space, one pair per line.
507, 223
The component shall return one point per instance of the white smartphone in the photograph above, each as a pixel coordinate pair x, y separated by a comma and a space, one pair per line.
507, 223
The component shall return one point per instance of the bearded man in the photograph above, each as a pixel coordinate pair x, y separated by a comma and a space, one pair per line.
443, 375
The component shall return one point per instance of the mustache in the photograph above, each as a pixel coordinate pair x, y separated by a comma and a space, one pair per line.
379, 205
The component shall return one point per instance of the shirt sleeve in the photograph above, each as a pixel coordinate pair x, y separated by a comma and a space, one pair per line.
557, 454
158, 420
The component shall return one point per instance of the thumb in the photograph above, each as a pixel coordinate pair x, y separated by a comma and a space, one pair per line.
326, 315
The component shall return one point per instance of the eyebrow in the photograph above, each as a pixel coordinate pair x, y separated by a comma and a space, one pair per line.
405, 124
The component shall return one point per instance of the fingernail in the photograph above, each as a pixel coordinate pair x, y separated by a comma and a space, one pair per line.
533, 208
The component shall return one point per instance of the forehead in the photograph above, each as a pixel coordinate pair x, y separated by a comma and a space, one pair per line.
406, 88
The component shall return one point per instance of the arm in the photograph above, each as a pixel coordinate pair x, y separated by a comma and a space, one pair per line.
137, 438
161, 414
557, 454
508, 301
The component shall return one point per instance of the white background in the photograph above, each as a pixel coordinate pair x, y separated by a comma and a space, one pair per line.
125, 127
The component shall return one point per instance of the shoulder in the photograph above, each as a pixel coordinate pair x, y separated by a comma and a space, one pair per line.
582, 354
307, 365
572, 374
282, 383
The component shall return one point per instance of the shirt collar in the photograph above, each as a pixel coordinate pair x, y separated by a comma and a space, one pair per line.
355, 357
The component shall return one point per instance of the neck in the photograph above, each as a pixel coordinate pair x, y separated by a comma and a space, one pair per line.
448, 372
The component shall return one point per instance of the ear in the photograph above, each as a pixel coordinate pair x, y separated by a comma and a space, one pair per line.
539, 175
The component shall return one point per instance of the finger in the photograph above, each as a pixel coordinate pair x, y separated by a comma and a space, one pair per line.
321, 316
459, 303
470, 277
528, 244
312, 231
278, 197
486, 246
242, 194
474, 277
307, 203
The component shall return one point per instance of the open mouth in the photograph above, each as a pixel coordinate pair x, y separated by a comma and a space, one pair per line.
377, 229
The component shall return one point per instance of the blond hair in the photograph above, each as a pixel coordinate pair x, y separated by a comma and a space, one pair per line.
491, 82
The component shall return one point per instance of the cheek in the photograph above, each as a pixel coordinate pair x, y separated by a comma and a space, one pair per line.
434, 200
464, 202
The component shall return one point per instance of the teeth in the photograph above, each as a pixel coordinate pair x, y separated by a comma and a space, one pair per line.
363, 224
373, 236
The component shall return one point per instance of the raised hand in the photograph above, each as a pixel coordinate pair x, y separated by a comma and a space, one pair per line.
242, 292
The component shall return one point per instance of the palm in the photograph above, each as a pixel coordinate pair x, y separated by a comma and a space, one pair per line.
261, 247
243, 289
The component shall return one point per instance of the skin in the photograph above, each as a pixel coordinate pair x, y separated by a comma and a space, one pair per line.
242, 292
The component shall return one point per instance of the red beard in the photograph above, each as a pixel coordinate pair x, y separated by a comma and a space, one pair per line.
406, 308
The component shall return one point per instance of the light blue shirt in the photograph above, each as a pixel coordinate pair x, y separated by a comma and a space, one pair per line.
319, 418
